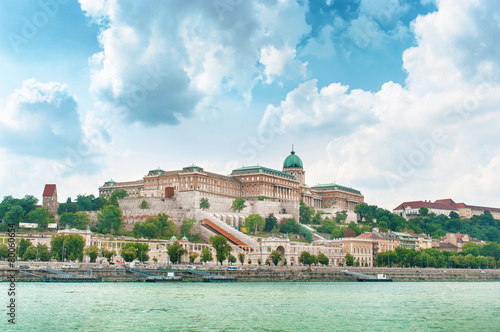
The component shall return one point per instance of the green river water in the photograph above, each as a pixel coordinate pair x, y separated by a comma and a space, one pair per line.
255, 306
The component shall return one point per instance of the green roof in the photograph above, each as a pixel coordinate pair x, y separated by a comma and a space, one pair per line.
194, 168
292, 161
110, 182
260, 169
158, 171
334, 186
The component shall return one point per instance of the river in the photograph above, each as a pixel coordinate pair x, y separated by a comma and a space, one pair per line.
256, 306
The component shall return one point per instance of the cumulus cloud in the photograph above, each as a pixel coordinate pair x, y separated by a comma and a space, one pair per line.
162, 62
436, 137
40, 119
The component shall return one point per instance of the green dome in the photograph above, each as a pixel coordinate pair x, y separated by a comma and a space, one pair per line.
173, 238
292, 161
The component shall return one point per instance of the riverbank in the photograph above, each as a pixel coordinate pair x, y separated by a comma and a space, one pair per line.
278, 274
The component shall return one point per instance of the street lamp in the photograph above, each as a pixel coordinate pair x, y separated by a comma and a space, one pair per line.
37, 254
63, 250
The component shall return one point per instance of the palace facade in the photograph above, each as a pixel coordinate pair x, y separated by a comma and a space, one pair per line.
253, 183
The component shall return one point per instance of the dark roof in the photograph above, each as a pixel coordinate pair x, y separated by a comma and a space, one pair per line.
427, 204
248, 170
49, 190
334, 186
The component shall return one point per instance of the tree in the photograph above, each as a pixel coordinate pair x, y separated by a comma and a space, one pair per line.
30, 253
98, 203
340, 216
454, 215
222, 248
306, 213
23, 245
41, 217
270, 223
231, 259
143, 205
204, 204
4, 251
43, 252
109, 219
238, 204
135, 250
92, 251
366, 212
15, 215
116, 195
423, 211
289, 226
67, 247
192, 256
241, 258
84, 202
206, 255
109, 254
186, 226
175, 252
349, 232
349, 259
78, 220
128, 253
322, 259
306, 258
275, 257
254, 221
67, 207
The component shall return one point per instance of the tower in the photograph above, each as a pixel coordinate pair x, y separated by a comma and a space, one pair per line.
293, 165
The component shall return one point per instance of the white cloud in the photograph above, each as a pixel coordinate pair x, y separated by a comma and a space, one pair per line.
162, 62
434, 138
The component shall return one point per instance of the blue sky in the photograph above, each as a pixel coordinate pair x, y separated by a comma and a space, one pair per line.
398, 99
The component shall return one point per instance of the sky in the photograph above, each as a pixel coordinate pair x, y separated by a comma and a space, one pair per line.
398, 99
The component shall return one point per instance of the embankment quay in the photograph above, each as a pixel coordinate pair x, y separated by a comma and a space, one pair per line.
272, 274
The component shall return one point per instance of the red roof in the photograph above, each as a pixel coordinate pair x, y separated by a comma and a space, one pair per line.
49, 190
364, 235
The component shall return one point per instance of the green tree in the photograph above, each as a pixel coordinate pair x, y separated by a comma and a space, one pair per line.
241, 258
92, 251
41, 217
84, 202
78, 220
30, 253
259, 261
253, 222
129, 253
366, 212
23, 245
67, 247
67, 207
98, 203
4, 251
306, 258
275, 257
186, 226
222, 248
238, 204
349, 259
204, 204
322, 259
206, 255
116, 195
175, 252
306, 213
109, 254
454, 215
289, 226
270, 223
423, 211
109, 219
340, 216
143, 205
231, 259
43, 252
192, 256
15, 215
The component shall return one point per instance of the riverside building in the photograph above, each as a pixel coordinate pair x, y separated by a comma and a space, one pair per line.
253, 183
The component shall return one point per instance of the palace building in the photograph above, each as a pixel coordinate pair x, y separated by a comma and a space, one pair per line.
253, 183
